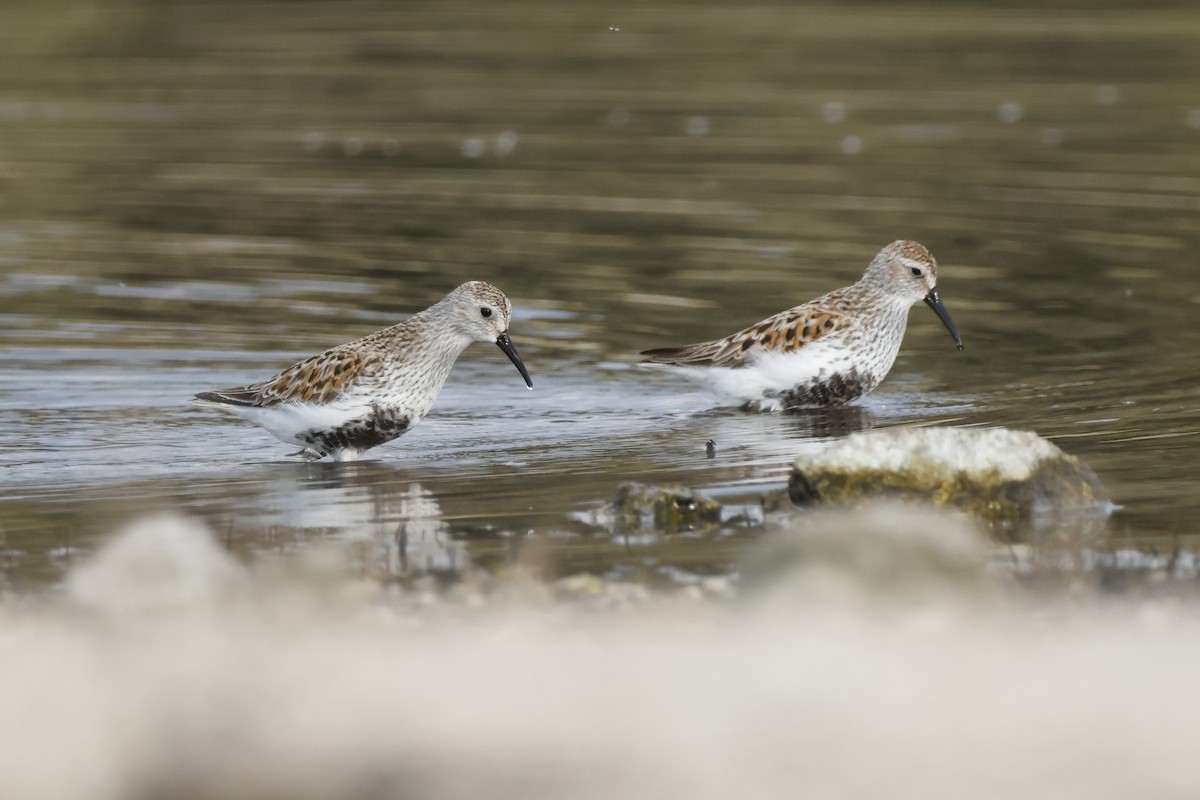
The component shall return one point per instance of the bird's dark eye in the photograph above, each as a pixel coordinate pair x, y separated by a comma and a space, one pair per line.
917, 271
485, 312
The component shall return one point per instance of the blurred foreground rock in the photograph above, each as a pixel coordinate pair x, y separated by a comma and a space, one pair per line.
307, 689
158, 564
999, 475
882, 554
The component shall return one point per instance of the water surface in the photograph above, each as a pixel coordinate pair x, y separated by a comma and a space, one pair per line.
198, 194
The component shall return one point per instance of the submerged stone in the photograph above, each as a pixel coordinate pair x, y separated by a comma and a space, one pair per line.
996, 474
640, 506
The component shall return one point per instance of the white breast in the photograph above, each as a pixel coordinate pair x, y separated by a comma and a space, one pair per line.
288, 421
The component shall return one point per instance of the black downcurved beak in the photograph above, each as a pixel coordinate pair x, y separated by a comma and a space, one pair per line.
933, 301
505, 344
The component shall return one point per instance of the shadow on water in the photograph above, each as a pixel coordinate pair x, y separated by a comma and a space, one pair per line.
197, 195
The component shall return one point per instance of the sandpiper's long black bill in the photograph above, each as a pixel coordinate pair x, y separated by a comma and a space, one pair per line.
505, 344
933, 301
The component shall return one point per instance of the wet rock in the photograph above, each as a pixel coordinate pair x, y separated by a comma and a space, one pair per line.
597, 592
583, 584
996, 474
666, 508
643, 507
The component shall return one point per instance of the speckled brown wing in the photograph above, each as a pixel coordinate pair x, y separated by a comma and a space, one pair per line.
319, 379
784, 332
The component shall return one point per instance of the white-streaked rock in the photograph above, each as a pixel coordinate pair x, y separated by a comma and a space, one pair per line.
996, 474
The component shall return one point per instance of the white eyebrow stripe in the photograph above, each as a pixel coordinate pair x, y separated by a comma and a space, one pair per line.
908, 262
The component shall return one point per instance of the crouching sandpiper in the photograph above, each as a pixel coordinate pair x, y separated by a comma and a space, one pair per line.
826, 352
370, 391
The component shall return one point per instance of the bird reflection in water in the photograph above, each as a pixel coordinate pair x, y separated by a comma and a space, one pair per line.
833, 422
391, 525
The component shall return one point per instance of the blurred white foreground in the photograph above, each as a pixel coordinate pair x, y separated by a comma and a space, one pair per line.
872, 655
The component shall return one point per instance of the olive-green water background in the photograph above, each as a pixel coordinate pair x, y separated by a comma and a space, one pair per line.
194, 195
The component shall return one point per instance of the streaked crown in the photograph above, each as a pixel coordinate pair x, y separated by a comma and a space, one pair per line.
481, 311
903, 269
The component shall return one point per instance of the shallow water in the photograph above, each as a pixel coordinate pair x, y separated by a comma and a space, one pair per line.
196, 195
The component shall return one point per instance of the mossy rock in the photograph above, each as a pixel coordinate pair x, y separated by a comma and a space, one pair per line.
999, 475
639, 506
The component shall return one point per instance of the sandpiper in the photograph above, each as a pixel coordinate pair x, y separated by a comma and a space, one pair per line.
370, 391
826, 352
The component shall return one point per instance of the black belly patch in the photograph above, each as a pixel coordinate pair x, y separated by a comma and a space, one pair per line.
835, 390
381, 425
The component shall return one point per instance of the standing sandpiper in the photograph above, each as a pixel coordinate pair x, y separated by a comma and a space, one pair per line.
369, 391
830, 350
